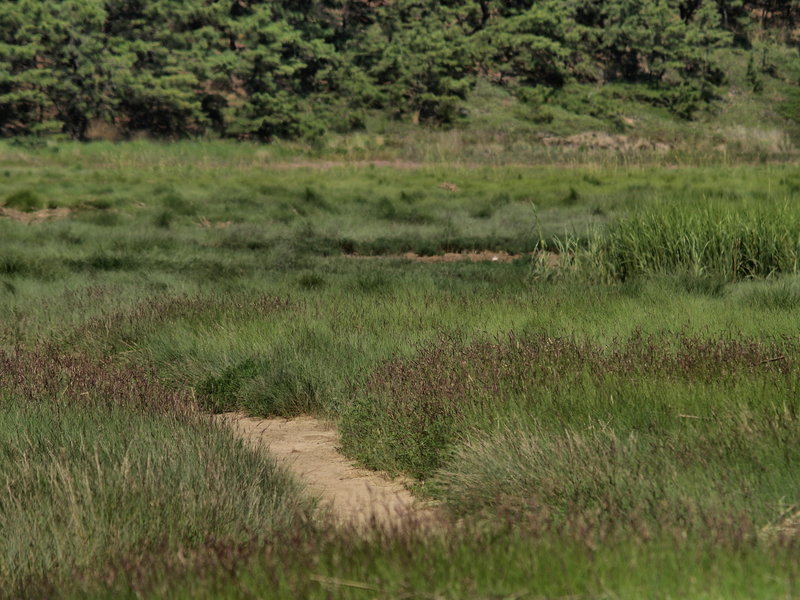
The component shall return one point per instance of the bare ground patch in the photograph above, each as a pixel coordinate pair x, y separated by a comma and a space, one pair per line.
36, 216
335, 164
351, 495
551, 259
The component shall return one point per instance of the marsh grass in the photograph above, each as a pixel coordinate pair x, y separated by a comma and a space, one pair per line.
24, 200
72, 378
634, 437
415, 410
712, 240
782, 294
513, 555
85, 485
236, 203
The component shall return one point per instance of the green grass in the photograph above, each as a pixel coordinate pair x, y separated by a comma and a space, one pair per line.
728, 242
622, 425
24, 200
509, 560
86, 486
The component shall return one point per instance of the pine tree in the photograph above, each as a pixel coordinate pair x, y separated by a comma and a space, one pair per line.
24, 106
286, 68
60, 65
528, 47
278, 73
169, 44
423, 61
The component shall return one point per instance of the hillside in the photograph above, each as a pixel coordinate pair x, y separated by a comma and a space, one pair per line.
358, 75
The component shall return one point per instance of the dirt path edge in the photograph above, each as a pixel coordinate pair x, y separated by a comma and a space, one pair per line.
350, 495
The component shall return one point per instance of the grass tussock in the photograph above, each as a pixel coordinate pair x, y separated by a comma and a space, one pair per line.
277, 384
637, 437
87, 486
79, 379
24, 200
735, 244
630, 482
663, 427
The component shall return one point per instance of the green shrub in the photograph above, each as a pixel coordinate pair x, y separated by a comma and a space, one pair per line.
311, 281
264, 385
217, 391
24, 200
164, 219
12, 265
486, 209
103, 261
105, 218
99, 203
178, 204
315, 199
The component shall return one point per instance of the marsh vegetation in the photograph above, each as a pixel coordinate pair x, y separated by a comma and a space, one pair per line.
617, 417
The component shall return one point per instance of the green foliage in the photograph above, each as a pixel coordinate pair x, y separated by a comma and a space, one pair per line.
178, 204
424, 60
753, 76
164, 219
25, 200
280, 71
86, 486
267, 70
790, 107
747, 244
57, 64
635, 439
531, 46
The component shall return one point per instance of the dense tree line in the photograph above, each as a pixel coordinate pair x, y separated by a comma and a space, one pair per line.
296, 68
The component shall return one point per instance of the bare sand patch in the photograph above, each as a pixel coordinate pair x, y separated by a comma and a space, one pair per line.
551, 259
351, 495
35, 216
481, 256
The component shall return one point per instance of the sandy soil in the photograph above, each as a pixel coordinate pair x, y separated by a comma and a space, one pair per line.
36, 216
352, 496
482, 256
335, 164
550, 258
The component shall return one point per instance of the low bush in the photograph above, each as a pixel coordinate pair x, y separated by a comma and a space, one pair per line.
24, 200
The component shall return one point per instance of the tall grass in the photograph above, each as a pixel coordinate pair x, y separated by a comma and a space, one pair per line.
85, 486
642, 426
511, 557
414, 410
101, 461
708, 240
665, 434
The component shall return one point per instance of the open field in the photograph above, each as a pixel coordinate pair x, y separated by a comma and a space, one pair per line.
612, 413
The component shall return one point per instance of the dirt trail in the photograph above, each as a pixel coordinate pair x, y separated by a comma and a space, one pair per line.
36, 216
353, 496
551, 259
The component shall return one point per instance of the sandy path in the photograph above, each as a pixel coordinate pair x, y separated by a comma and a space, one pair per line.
309, 447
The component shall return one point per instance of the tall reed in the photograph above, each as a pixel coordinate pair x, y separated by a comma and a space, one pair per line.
735, 244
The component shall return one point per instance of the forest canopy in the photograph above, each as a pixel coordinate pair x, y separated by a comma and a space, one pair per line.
263, 69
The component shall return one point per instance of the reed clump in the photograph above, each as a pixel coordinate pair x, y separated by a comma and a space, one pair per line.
736, 244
